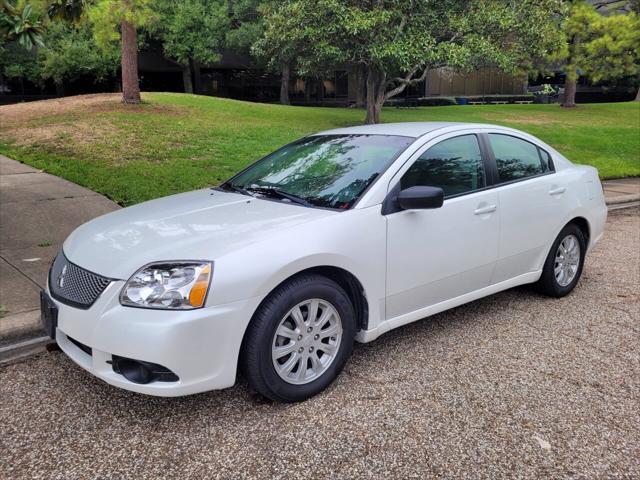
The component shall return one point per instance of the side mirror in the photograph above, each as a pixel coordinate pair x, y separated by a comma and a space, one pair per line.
414, 198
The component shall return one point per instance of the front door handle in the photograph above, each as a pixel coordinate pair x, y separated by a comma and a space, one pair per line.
557, 190
483, 210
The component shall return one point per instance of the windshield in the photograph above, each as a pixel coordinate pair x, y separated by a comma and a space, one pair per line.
330, 171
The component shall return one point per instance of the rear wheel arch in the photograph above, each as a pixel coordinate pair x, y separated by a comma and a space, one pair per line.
583, 224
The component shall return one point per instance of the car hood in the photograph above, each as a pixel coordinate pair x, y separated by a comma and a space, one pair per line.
198, 225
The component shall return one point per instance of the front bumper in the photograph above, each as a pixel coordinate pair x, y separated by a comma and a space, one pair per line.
200, 346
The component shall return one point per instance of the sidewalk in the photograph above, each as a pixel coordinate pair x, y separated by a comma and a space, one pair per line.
37, 212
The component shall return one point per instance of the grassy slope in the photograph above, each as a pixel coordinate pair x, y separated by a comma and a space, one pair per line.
177, 142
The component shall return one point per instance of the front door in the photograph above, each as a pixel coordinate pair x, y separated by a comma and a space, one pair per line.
439, 254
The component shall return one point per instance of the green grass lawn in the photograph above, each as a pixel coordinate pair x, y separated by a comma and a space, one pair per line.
178, 142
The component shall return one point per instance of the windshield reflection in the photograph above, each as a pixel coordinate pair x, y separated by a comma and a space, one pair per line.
324, 170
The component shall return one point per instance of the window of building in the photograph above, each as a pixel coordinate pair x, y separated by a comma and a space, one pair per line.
342, 83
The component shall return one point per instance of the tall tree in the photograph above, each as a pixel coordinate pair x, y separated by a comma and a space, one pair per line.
118, 20
19, 23
399, 41
192, 32
279, 51
603, 39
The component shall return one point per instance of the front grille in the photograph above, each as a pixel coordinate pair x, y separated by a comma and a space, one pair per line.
74, 285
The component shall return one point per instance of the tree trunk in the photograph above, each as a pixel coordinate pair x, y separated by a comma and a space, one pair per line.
59, 89
284, 84
637, 96
376, 84
361, 86
195, 68
308, 82
186, 79
130, 86
320, 86
570, 86
570, 82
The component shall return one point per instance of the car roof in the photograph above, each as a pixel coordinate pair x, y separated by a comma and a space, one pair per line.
407, 129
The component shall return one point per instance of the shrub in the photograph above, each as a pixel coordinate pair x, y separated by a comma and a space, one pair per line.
498, 98
420, 102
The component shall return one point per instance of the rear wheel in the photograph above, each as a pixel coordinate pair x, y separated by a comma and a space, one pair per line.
299, 340
564, 263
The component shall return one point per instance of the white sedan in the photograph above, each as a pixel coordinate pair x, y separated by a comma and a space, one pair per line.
339, 236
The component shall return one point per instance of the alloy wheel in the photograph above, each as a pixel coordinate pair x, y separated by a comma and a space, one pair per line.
306, 341
567, 260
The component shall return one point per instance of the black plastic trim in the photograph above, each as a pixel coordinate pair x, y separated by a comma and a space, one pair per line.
85, 348
152, 372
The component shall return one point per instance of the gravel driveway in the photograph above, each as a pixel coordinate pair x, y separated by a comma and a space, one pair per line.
515, 385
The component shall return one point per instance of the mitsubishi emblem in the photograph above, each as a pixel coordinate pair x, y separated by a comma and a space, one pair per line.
60, 279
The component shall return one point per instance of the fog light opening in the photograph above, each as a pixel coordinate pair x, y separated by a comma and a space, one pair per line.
137, 371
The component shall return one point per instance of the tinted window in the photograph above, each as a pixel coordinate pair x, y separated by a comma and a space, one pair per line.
455, 165
516, 158
325, 170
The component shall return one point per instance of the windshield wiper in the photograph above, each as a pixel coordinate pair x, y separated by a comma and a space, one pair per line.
275, 192
233, 188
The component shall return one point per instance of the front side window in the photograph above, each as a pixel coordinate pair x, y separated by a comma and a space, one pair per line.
517, 159
325, 170
455, 165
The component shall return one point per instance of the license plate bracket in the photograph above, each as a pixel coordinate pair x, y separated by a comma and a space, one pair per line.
48, 314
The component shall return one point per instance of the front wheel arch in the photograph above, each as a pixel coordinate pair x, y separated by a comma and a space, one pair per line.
252, 360
345, 279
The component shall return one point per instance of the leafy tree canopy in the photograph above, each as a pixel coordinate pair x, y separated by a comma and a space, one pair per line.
607, 46
192, 29
71, 52
20, 23
106, 16
245, 24
400, 40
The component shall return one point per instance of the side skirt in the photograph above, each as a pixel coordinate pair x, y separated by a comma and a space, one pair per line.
365, 336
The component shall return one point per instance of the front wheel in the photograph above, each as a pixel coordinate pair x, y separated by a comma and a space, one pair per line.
564, 263
299, 339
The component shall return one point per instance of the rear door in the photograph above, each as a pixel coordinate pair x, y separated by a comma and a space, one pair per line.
439, 254
531, 197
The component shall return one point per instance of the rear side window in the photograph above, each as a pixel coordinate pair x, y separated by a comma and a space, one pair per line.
546, 160
517, 159
455, 165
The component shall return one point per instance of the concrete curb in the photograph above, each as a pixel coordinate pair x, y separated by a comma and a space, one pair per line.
623, 199
22, 350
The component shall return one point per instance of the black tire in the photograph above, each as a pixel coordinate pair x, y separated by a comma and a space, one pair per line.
548, 284
256, 362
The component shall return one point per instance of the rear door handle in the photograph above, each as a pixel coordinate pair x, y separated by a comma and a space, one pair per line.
483, 210
557, 190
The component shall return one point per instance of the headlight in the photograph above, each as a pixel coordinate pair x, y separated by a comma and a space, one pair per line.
168, 285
